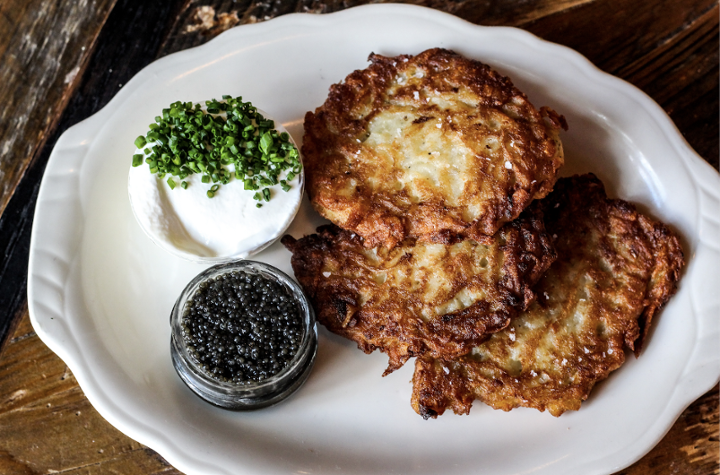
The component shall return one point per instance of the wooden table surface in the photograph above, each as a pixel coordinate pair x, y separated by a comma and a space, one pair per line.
62, 61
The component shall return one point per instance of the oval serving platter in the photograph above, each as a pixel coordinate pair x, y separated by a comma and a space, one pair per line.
100, 293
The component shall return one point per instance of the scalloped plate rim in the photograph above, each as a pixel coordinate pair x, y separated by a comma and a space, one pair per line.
72, 352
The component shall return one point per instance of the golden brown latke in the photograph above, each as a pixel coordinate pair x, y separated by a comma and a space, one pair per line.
421, 298
615, 269
435, 146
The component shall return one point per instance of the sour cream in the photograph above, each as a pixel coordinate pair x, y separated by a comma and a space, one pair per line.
188, 224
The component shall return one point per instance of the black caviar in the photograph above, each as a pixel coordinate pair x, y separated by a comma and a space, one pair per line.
242, 327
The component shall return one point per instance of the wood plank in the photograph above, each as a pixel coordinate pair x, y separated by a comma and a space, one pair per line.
44, 47
509, 13
689, 98
44, 50
612, 33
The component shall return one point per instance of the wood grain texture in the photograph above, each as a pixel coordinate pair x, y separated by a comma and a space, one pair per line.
43, 47
667, 48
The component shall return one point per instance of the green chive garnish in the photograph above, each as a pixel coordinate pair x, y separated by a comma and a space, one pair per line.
186, 140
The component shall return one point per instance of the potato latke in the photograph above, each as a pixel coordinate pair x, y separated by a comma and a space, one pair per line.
421, 298
435, 147
615, 269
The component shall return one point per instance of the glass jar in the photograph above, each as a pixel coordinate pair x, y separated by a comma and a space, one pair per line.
243, 395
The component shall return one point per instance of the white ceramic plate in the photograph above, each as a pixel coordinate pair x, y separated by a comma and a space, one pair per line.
100, 293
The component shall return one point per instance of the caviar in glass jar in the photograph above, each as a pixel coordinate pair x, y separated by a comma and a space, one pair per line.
244, 335
242, 327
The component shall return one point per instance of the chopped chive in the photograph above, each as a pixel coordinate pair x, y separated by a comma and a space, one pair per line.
210, 194
187, 140
171, 182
